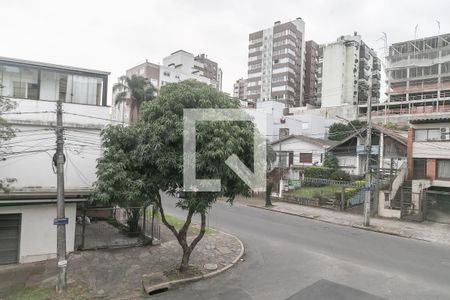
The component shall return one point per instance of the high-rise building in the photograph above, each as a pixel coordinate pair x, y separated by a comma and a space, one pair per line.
418, 79
275, 63
240, 89
311, 63
147, 70
348, 73
419, 70
210, 69
182, 65
178, 66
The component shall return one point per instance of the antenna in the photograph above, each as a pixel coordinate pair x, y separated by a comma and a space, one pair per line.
415, 31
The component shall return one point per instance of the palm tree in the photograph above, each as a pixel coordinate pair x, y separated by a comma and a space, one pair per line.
135, 90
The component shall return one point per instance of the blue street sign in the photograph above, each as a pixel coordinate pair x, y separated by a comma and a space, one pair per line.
60, 221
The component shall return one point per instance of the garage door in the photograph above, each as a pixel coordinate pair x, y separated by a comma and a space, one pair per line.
9, 238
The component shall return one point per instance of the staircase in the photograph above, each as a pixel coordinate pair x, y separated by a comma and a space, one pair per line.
409, 211
396, 201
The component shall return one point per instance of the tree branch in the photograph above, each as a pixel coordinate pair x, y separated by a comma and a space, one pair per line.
163, 216
202, 232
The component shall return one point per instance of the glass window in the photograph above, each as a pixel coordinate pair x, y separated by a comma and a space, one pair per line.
434, 134
306, 158
420, 135
419, 168
443, 169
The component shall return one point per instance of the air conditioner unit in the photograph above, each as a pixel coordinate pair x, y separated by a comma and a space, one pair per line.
445, 133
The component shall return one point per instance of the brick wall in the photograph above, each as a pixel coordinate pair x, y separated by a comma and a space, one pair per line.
409, 151
431, 168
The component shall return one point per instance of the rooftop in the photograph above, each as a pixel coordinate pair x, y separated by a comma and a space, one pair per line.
314, 141
50, 66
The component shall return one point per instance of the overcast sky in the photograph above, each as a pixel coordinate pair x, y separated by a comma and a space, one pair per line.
116, 35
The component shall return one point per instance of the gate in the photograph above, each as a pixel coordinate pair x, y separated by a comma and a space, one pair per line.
437, 206
112, 227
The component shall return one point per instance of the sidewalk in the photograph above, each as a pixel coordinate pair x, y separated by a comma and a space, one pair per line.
116, 273
426, 231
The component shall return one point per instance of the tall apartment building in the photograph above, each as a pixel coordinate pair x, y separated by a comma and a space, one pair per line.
348, 73
182, 65
311, 81
418, 72
418, 79
205, 67
240, 89
178, 66
275, 63
147, 70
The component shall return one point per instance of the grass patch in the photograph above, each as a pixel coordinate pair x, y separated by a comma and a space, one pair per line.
178, 223
73, 292
312, 191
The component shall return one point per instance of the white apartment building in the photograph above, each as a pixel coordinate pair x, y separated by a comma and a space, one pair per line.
275, 63
348, 73
30, 207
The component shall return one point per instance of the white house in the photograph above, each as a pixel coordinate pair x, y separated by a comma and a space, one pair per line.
295, 152
29, 209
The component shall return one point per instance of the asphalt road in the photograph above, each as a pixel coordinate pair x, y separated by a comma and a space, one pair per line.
289, 257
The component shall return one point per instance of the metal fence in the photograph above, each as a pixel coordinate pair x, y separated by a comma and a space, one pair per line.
112, 227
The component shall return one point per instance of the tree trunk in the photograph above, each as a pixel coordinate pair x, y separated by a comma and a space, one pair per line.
268, 194
181, 235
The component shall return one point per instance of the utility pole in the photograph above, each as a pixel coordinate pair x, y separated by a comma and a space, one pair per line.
368, 149
61, 220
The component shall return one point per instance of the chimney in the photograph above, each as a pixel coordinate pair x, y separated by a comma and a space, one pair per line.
355, 33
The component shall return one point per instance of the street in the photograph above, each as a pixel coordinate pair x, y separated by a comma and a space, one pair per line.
289, 257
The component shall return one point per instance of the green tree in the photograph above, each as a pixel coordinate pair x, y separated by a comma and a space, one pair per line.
6, 133
136, 90
121, 180
339, 131
161, 123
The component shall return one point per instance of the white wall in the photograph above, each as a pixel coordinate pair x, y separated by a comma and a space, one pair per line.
298, 146
38, 234
349, 164
31, 151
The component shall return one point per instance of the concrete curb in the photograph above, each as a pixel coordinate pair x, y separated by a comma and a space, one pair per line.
341, 224
174, 283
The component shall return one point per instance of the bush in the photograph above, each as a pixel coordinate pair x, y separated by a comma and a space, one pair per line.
318, 172
331, 162
340, 175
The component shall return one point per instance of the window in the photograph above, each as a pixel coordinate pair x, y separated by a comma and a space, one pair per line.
33, 83
419, 168
306, 158
435, 134
443, 169
19, 82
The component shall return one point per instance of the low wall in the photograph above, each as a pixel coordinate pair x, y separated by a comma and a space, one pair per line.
299, 200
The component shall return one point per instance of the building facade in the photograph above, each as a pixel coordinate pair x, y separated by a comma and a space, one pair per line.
348, 73
429, 169
275, 63
178, 66
182, 65
311, 80
30, 206
240, 89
